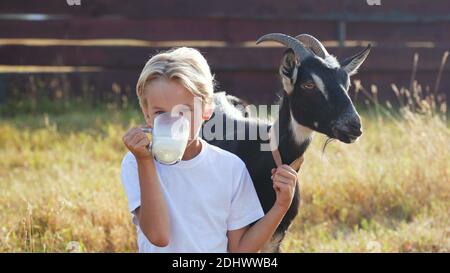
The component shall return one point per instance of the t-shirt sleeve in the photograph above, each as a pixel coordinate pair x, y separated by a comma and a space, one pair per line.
130, 181
245, 206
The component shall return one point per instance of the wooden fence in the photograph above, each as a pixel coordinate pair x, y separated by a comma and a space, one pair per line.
100, 46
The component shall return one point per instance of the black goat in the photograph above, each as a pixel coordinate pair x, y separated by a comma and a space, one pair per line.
314, 98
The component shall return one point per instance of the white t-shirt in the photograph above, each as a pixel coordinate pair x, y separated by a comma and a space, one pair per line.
206, 196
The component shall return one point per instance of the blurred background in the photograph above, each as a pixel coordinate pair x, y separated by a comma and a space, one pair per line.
96, 50
68, 71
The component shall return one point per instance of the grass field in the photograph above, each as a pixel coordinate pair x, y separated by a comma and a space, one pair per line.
389, 192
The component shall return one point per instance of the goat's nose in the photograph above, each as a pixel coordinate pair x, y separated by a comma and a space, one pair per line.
354, 125
347, 132
350, 127
354, 128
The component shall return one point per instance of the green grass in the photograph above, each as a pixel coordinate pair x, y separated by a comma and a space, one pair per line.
389, 192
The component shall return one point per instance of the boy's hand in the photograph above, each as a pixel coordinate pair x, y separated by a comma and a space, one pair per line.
137, 142
284, 179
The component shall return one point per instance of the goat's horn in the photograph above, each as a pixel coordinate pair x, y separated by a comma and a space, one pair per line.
299, 49
315, 45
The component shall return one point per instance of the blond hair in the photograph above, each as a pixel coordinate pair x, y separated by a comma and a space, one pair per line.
185, 65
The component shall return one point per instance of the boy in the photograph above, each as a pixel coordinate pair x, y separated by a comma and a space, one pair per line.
207, 201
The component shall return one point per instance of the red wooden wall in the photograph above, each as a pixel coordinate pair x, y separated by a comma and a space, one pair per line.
102, 43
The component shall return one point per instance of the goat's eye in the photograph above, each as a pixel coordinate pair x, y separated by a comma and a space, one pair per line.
308, 85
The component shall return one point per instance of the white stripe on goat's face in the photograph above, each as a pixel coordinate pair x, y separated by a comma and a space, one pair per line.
320, 85
300, 132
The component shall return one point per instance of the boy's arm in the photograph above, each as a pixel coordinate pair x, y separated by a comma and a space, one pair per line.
152, 214
253, 239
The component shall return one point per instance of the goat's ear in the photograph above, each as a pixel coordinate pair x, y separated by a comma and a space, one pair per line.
351, 65
288, 70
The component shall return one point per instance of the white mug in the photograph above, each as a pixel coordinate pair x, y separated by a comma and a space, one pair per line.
170, 134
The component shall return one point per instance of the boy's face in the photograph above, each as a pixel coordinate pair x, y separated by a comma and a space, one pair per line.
165, 95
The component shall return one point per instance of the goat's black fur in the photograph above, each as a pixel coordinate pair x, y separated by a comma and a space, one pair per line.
326, 108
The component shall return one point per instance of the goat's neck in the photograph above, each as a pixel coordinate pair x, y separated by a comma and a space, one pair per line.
294, 138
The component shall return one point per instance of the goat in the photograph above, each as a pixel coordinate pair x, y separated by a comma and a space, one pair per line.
314, 98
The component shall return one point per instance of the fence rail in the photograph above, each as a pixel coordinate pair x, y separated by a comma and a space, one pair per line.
115, 39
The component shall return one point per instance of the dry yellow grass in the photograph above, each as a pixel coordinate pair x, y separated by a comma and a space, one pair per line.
389, 192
